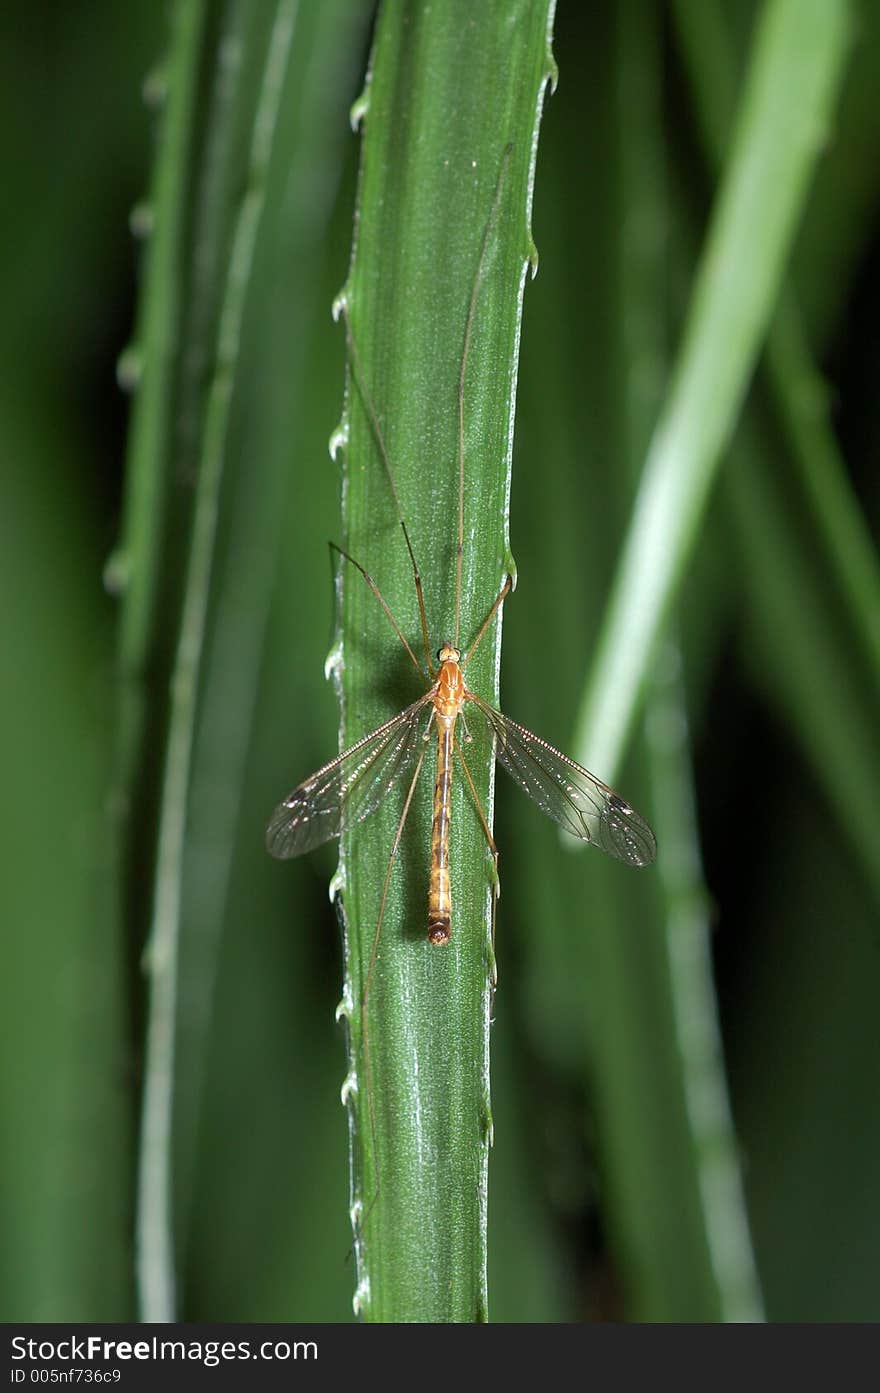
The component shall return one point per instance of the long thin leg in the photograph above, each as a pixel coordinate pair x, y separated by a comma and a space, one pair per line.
496, 882
373, 416
365, 992
502, 596
382, 601
466, 347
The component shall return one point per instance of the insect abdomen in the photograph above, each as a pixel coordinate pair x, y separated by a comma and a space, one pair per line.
440, 892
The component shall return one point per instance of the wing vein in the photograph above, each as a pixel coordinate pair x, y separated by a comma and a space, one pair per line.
352, 785
568, 793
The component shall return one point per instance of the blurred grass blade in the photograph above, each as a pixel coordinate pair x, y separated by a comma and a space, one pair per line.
451, 114
799, 394
714, 1257
67, 1140
842, 537
805, 597
710, 1140
796, 63
840, 216
65, 1055
290, 198
141, 568
155, 1205
805, 667
254, 82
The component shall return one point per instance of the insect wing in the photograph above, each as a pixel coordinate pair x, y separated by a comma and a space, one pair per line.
356, 781
571, 795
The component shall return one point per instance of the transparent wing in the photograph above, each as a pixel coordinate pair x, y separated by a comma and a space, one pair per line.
571, 795
358, 779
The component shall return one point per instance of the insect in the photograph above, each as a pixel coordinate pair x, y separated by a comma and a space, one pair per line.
353, 785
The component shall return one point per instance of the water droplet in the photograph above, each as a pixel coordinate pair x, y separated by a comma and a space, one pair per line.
349, 1091
359, 110
337, 884
345, 1009
129, 368
338, 440
339, 304
361, 1300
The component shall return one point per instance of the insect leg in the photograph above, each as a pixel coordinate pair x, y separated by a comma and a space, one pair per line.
495, 854
465, 352
382, 601
365, 992
386, 460
501, 597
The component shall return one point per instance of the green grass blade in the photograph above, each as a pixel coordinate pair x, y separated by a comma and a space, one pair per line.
452, 89
805, 1075
311, 55
805, 595
708, 1141
267, 1184
155, 1204
229, 576
803, 664
138, 569
714, 1256
146, 565
796, 64
841, 211
65, 1059
799, 394
67, 1141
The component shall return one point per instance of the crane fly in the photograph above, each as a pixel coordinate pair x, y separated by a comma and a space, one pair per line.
356, 782
350, 787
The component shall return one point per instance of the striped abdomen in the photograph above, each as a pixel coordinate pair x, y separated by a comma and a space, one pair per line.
440, 892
